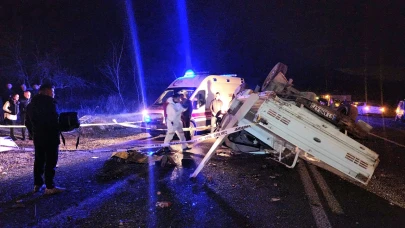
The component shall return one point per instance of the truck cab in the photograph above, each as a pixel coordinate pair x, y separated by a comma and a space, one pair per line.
200, 89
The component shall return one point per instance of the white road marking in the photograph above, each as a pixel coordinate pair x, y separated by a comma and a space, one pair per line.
318, 212
330, 198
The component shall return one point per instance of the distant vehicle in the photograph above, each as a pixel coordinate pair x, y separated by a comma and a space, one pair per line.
369, 108
399, 112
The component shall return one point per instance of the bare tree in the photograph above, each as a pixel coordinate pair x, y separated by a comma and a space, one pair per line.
18, 56
112, 69
137, 88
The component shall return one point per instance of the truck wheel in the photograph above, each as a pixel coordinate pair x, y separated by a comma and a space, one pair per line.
349, 110
154, 134
279, 67
353, 112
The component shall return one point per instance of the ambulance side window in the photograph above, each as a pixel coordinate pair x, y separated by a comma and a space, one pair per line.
199, 99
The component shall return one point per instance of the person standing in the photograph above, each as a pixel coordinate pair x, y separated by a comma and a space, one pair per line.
5, 96
11, 110
174, 124
25, 100
186, 115
215, 107
22, 89
35, 90
42, 123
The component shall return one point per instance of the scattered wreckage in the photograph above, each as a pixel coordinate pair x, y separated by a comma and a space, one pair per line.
289, 124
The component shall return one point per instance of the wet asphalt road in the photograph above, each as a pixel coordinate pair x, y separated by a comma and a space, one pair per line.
236, 191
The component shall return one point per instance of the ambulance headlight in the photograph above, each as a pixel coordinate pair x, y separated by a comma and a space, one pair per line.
145, 116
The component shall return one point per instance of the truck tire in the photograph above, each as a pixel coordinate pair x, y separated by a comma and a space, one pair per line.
154, 133
348, 110
353, 112
279, 67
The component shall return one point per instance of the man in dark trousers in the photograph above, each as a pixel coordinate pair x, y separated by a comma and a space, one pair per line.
186, 115
42, 123
24, 101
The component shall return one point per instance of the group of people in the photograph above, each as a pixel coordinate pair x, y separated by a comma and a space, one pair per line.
178, 110
41, 118
14, 105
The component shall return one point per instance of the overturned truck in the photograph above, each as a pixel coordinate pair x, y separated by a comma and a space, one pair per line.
289, 124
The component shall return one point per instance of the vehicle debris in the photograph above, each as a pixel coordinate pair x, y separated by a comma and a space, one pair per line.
289, 124
275, 199
163, 204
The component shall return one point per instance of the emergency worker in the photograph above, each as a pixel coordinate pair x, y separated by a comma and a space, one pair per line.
186, 115
24, 101
215, 107
43, 124
174, 124
11, 110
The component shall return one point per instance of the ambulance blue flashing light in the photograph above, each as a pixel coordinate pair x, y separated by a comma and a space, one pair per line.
189, 74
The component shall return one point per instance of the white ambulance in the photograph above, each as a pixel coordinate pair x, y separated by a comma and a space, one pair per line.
201, 90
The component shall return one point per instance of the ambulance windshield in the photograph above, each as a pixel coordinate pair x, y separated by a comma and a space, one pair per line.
188, 91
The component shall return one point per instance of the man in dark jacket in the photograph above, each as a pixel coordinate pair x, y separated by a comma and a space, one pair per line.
43, 124
24, 101
186, 115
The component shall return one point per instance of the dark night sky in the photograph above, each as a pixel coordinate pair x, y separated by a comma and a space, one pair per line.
236, 36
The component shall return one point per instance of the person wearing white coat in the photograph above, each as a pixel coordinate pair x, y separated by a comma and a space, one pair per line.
173, 120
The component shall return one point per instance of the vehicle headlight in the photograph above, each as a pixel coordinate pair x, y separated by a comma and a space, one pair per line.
382, 109
145, 116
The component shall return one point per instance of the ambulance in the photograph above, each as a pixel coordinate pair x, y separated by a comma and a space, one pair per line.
200, 89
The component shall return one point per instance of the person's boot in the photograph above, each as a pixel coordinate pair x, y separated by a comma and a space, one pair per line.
53, 191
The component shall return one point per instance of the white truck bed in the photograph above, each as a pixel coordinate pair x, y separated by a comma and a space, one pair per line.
289, 129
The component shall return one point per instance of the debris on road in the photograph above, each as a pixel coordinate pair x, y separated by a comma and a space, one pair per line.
131, 156
163, 204
275, 199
